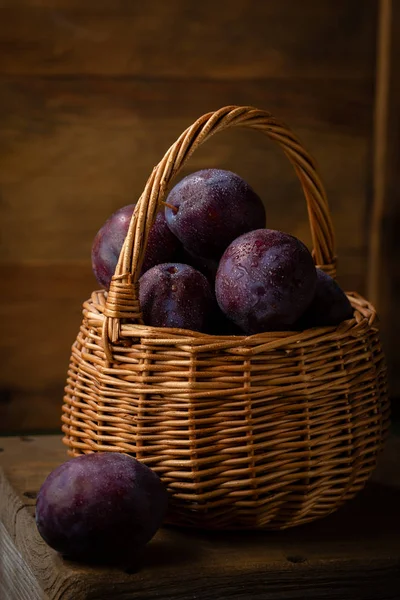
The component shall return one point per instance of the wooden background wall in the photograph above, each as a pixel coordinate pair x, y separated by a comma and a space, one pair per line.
93, 93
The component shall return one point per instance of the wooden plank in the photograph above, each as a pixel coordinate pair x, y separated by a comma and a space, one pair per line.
330, 39
320, 104
17, 581
73, 152
353, 554
384, 273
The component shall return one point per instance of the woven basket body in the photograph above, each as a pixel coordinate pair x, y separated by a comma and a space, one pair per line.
266, 431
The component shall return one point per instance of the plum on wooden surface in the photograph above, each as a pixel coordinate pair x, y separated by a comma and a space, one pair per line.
107, 244
330, 305
265, 280
212, 208
101, 507
176, 295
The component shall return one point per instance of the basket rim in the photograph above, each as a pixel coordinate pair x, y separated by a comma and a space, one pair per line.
364, 316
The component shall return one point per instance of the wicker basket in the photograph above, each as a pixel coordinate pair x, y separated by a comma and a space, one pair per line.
266, 431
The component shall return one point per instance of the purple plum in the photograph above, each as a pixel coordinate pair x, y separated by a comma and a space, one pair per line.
176, 295
211, 208
266, 279
101, 507
162, 245
329, 307
207, 266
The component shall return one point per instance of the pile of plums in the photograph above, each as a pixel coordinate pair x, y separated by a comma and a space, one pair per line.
211, 265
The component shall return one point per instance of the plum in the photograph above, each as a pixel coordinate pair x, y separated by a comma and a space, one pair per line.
211, 208
207, 266
107, 244
221, 325
176, 295
266, 279
101, 507
330, 305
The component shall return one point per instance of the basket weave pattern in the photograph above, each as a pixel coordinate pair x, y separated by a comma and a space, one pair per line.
266, 431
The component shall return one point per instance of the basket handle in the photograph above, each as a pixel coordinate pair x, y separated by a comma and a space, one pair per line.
122, 299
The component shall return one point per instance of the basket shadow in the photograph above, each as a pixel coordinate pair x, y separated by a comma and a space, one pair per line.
372, 517
373, 513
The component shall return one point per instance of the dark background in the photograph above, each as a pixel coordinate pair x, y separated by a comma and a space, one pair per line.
92, 93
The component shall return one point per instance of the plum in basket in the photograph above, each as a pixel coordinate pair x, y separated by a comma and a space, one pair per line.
266, 279
101, 507
176, 295
330, 305
161, 246
207, 266
212, 208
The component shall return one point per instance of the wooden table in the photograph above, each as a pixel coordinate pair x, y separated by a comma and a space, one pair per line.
351, 555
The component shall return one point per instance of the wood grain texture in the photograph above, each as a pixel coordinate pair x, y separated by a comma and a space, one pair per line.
73, 152
354, 554
40, 312
188, 39
17, 582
